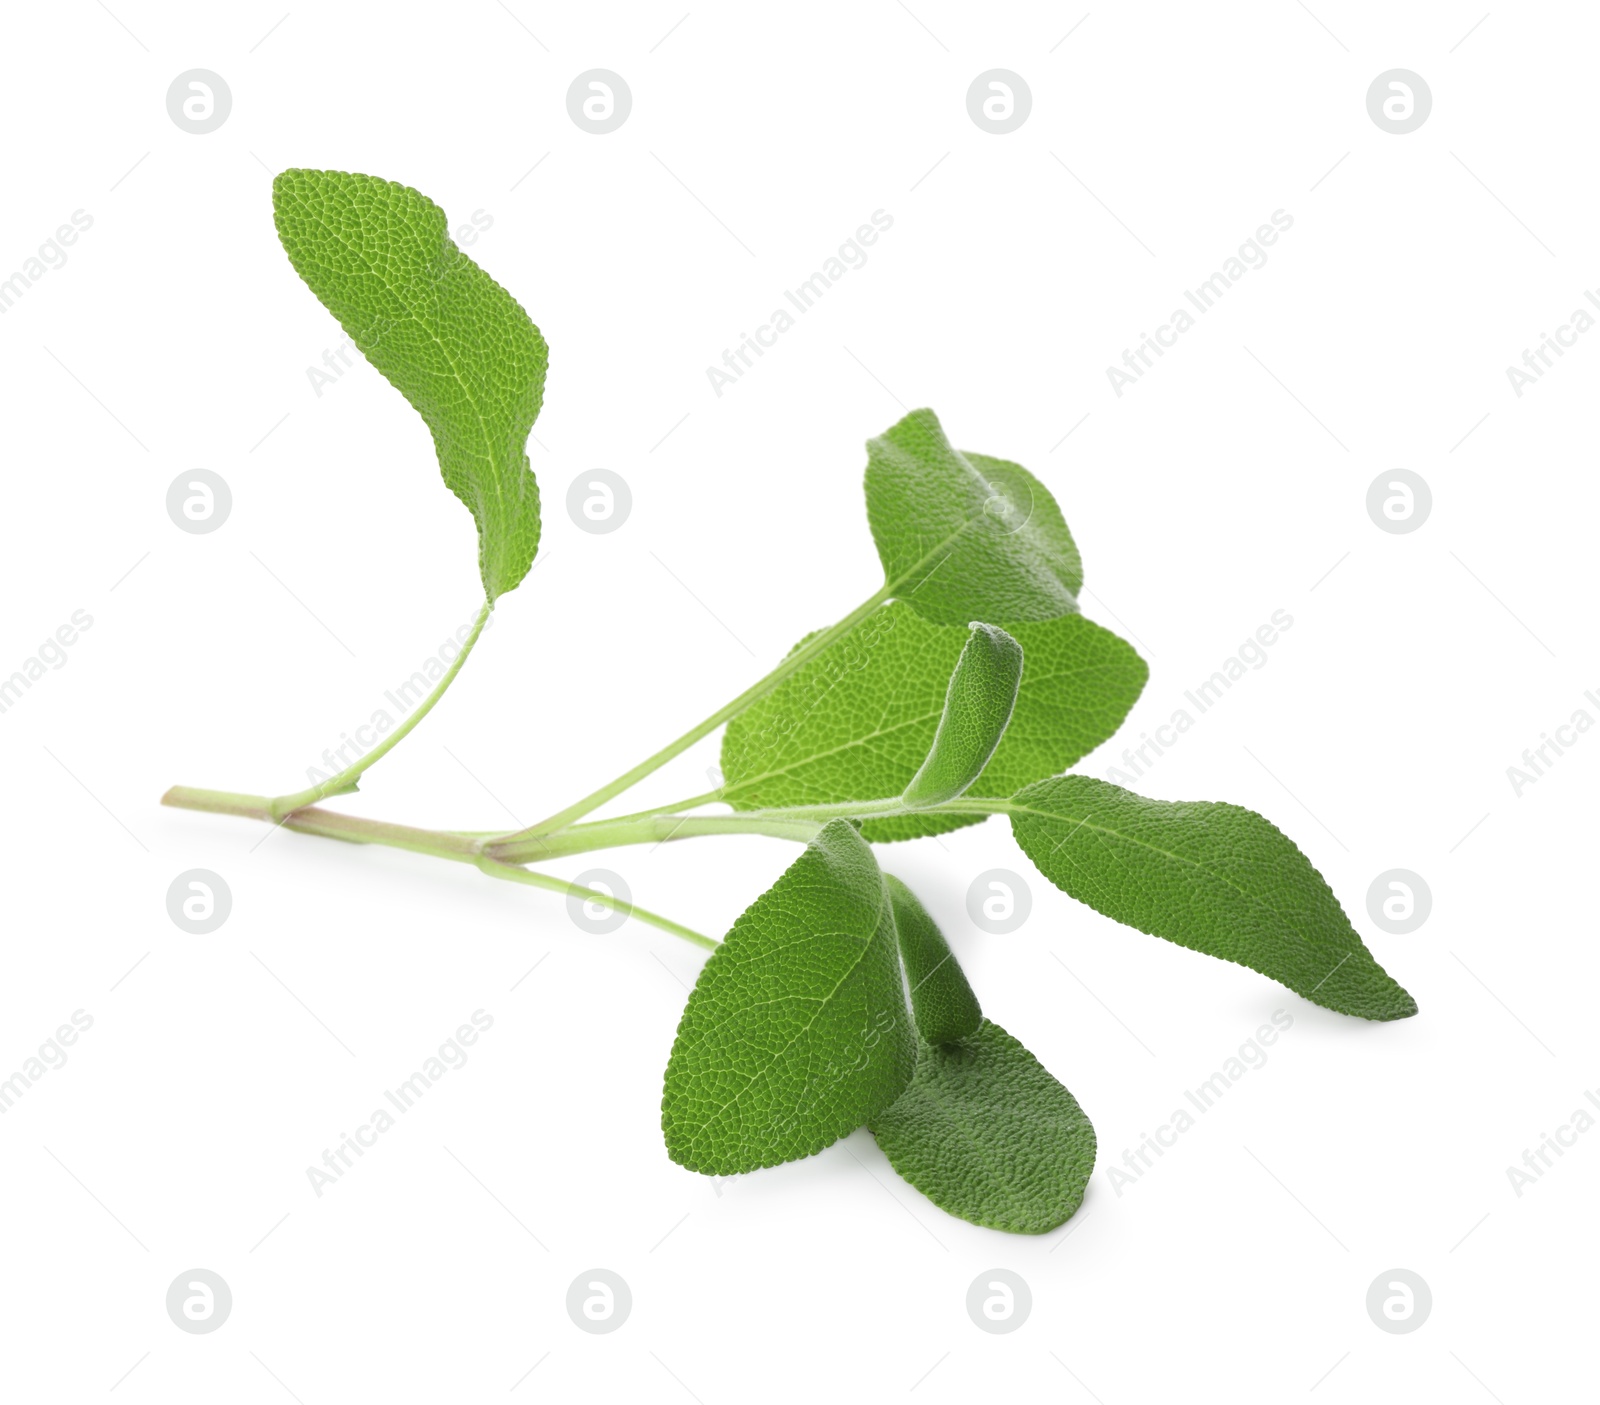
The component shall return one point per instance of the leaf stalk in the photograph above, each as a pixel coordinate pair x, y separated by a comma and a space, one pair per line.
345, 782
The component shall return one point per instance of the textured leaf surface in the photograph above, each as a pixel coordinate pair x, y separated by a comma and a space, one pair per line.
977, 705
797, 1031
987, 1134
444, 333
856, 722
1212, 877
964, 536
941, 1000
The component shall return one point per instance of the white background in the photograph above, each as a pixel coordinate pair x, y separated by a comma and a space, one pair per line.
1227, 484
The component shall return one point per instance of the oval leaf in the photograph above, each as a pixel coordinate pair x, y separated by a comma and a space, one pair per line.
941, 999
987, 1134
797, 1031
977, 705
441, 331
964, 536
858, 720
1215, 878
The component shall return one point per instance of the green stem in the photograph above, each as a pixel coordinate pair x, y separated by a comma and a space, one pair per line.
345, 781
650, 829
330, 824
800, 823
458, 847
677, 807
560, 885
798, 659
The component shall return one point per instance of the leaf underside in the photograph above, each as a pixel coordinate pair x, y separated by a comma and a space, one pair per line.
1212, 877
797, 1030
989, 1135
447, 336
857, 721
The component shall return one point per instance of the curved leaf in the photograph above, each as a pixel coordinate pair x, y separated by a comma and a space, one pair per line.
1215, 878
977, 705
964, 536
942, 1001
442, 332
987, 1134
796, 1032
858, 720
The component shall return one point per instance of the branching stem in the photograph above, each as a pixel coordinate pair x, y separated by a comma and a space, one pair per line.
345, 781
502, 855
797, 660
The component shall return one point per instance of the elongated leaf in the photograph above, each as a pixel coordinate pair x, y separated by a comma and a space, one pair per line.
442, 332
941, 1000
977, 705
856, 722
1212, 877
964, 536
797, 1030
987, 1134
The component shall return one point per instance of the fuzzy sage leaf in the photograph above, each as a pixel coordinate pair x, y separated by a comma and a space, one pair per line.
942, 1002
986, 1133
977, 705
1215, 878
963, 536
796, 1032
858, 720
442, 332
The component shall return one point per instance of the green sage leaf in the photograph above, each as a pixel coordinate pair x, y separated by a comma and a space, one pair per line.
1215, 878
942, 1001
977, 705
797, 1031
441, 331
964, 536
987, 1134
858, 720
